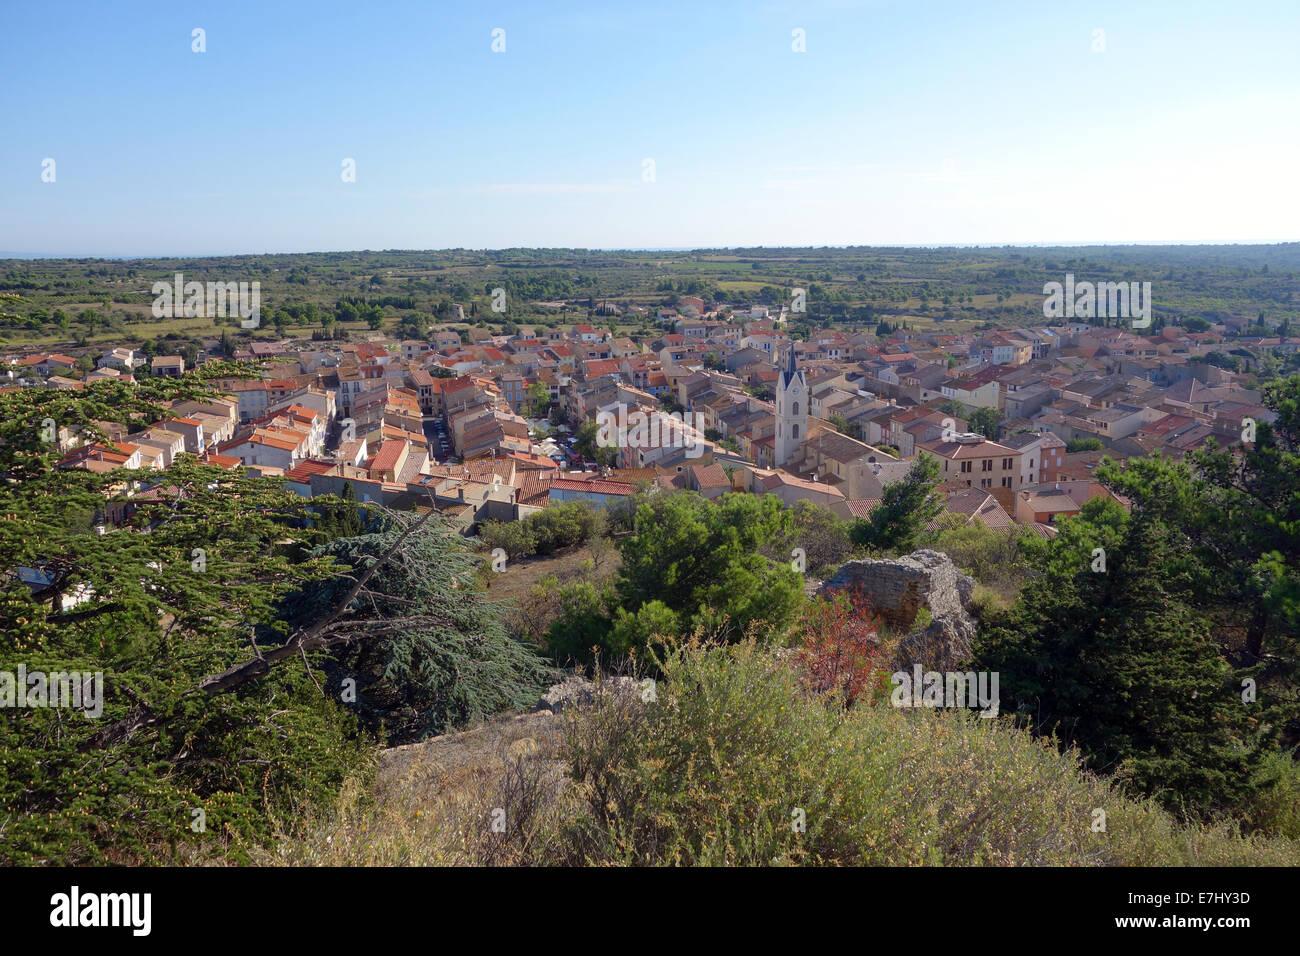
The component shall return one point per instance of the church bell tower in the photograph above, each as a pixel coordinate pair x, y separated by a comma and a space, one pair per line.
791, 411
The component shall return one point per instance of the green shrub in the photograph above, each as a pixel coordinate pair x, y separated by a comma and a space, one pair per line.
712, 768
581, 626
513, 537
1276, 810
822, 535
732, 757
1001, 560
565, 525
653, 623
552, 529
985, 603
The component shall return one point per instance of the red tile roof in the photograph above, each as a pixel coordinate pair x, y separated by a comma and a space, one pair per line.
862, 507
303, 472
594, 485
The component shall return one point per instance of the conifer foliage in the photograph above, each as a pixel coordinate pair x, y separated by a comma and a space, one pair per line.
218, 608
445, 658
1173, 658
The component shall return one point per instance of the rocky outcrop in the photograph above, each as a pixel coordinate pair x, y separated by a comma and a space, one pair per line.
575, 691
899, 588
943, 645
480, 751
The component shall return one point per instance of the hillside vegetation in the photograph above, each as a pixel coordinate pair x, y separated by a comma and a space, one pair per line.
263, 652
716, 770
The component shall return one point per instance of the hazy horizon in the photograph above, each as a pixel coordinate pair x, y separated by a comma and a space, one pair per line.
678, 249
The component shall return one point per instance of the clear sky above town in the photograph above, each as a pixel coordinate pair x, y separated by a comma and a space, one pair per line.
910, 122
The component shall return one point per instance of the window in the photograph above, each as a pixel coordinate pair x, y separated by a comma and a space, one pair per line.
795, 410
1006, 482
965, 467
795, 429
1006, 464
1031, 463
986, 464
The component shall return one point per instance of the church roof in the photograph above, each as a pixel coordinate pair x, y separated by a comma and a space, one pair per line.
790, 371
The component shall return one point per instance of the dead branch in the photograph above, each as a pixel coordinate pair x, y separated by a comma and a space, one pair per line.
320, 635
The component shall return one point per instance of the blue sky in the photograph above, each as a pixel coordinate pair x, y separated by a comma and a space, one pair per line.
915, 122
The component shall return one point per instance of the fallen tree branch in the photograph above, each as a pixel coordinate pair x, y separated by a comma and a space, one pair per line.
326, 633
331, 635
315, 637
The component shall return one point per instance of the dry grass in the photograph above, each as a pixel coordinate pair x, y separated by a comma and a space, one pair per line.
529, 587
478, 797
709, 774
516, 583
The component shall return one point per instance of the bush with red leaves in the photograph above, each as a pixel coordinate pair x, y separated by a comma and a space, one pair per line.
840, 652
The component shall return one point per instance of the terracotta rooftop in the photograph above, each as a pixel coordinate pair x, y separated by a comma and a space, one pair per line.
594, 485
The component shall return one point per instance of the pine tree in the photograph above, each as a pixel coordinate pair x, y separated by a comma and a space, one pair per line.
904, 511
1235, 514
1101, 652
215, 696
445, 658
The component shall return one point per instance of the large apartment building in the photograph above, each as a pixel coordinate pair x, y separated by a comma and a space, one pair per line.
977, 462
